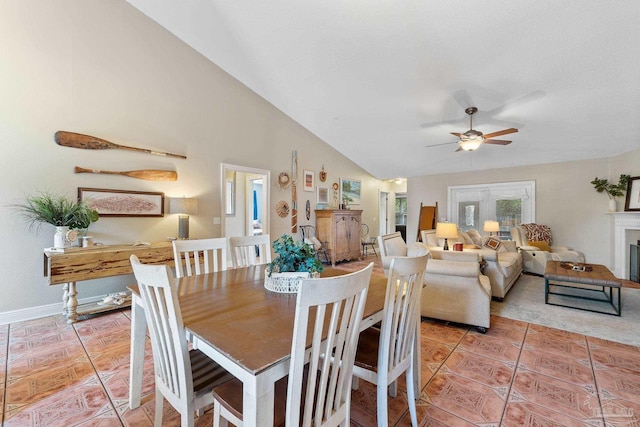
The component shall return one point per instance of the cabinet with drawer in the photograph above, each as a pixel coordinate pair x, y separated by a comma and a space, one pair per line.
339, 229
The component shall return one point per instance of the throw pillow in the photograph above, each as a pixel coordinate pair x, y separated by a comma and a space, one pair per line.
542, 245
464, 236
475, 237
537, 232
492, 243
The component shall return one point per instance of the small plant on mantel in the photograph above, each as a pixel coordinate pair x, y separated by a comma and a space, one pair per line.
292, 256
612, 190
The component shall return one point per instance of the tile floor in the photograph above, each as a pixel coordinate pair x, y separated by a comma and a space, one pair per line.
518, 374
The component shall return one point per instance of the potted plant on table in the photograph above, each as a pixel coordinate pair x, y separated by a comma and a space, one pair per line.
612, 190
69, 216
294, 261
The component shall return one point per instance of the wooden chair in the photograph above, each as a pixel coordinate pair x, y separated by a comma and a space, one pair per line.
199, 256
319, 395
250, 250
366, 241
185, 378
385, 353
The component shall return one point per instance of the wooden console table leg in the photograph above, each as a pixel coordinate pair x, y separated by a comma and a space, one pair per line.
65, 298
72, 303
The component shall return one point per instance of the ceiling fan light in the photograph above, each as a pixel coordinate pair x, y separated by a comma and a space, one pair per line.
470, 144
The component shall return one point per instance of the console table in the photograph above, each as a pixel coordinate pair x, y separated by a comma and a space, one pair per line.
77, 264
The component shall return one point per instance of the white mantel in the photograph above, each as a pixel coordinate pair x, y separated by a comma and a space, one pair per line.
623, 221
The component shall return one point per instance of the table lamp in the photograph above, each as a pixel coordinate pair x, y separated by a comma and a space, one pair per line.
491, 227
446, 230
183, 206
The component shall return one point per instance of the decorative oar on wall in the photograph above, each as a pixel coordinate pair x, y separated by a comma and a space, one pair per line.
148, 174
294, 196
87, 142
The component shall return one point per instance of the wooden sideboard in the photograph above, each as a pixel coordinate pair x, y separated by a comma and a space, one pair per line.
77, 264
340, 230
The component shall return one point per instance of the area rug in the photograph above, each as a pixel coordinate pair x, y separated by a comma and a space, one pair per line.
525, 302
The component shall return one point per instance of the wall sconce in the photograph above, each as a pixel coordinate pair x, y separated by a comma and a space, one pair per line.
446, 230
491, 227
183, 206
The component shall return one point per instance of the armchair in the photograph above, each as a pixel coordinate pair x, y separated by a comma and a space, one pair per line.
456, 291
393, 244
534, 242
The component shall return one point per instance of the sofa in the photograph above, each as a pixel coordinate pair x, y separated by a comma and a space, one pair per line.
536, 246
503, 264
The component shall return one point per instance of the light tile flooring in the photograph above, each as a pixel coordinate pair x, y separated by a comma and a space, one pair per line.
518, 374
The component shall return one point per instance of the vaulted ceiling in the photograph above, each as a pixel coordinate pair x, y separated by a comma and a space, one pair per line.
380, 80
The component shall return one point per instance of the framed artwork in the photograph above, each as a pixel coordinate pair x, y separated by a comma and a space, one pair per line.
123, 202
322, 195
632, 203
349, 191
308, 180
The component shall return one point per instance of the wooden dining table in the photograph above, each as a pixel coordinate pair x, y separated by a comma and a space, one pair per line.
234, 320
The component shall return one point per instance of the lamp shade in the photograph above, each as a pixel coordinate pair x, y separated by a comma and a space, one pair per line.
491, 226
446, 230
183, 205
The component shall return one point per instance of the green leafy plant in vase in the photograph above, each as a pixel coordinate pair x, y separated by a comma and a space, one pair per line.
294, 261
69, 216
612, 190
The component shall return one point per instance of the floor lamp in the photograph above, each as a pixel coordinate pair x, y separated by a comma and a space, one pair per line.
183, 206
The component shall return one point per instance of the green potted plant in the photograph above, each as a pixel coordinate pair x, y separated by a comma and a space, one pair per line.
294, 261
612, 190
67, 215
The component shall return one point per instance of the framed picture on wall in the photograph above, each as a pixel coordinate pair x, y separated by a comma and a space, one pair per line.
308, 180
123, 202
349, 191
322, 195
632, 203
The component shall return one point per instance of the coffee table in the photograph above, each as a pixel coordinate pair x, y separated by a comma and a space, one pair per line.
584, 283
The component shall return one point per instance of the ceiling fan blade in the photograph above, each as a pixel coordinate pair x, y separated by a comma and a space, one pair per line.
459, 149
459, 135
502, 132
444, 143
496, 141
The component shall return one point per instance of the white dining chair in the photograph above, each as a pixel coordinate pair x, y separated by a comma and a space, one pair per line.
385, 353
184, 377
199, 256
250, 250
320, 394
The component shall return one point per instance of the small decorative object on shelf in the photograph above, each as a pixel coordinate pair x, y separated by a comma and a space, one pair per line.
612, 190
576, 266
294, 262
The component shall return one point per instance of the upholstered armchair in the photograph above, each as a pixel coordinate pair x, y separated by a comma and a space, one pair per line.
456, 291
393, 244
503, 264
535, 244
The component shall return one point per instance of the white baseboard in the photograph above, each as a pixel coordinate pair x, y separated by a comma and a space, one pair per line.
39, 311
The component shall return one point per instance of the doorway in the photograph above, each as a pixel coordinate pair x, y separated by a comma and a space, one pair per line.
245, 194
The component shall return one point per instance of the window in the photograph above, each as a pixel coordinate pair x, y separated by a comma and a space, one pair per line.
509, 203
401, 209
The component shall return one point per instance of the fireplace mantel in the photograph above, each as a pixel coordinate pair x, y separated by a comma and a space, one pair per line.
623, 221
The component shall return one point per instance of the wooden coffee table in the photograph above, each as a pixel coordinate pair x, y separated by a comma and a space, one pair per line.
585, 283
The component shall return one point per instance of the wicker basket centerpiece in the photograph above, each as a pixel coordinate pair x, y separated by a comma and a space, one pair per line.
294, 262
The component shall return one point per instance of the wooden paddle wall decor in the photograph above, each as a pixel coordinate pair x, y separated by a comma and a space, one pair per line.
148, 174
87, 142
294, 196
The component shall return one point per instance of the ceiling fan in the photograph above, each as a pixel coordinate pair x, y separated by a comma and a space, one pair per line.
472, 139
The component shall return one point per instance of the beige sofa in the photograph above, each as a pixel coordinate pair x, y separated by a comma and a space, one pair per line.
534, 257
503, 266
456, 291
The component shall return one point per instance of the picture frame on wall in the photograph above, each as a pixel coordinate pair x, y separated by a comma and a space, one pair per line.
308, 180
322, 195
350, 191
632, 202
123, 203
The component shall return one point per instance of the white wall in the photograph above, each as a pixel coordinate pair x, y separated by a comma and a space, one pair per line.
565, 199
103, 68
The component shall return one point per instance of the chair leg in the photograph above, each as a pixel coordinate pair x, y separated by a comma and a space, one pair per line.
218, 419
411, 396
393, 389
383, 416
187, 418
157, 418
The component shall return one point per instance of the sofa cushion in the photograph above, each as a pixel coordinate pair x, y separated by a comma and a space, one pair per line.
476, 238
465, 238
396, 247
542, 245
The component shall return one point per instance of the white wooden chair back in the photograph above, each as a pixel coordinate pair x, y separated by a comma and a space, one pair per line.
334, 304
171, 362
243, 250
199, 256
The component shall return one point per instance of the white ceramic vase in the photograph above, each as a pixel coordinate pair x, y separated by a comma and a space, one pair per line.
60, 238
613, 205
